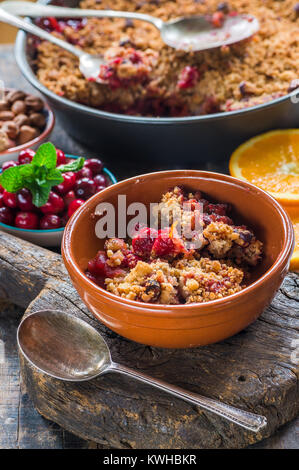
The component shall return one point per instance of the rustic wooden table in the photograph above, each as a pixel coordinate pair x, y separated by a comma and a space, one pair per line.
20, 424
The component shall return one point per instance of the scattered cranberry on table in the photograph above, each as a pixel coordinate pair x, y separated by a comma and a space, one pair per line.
17, 209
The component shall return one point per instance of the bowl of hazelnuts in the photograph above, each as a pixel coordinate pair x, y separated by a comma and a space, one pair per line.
25, 122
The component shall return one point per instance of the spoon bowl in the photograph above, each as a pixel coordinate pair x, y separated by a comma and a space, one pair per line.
67, 348
196, 33
63, 346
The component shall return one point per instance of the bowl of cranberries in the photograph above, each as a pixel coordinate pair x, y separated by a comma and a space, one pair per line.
36, 209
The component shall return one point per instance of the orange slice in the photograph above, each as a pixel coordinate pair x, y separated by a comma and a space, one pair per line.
270, 161
294, 215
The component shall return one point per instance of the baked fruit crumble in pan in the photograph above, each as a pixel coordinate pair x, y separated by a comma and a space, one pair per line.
158, 266
145, 77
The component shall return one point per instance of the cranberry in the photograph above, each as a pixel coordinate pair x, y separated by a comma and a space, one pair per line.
54, 205
84, 173
26, 156
93, 278
49, 24
1, 189
97, 266
223, 6
143, 242
69, 197
85, 188
188, 77
8, 164
69, 180
26, 220
50, 221
218, 19
24, 200
74, 205
209, 218
131, 260
1, 200
61, 158
163, 245
6, 215
100, 188
100, 180
64, 219
10, 199
219, 209
95, 165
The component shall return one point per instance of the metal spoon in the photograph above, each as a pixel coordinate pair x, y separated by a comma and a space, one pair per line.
69, 349
89, 65
194, 33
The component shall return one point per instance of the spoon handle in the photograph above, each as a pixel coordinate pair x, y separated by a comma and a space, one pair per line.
243, 418
13, 20
36, 10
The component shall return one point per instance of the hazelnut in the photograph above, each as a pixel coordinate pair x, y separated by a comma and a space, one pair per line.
4, 142
37, 120
15, 95
6, 116
34, 102
11, 129
4, 106
18, 107
26, 134
21, 120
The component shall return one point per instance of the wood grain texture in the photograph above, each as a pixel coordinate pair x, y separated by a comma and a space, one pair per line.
252, 370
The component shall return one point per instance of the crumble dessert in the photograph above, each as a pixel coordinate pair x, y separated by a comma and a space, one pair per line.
209, 260
145, 77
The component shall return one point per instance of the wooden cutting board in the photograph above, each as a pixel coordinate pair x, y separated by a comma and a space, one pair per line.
256, 370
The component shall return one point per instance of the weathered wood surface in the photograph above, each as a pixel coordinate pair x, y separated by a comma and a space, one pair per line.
254, 370
21, 426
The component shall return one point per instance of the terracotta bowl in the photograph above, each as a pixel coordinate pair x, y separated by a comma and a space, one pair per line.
183, 326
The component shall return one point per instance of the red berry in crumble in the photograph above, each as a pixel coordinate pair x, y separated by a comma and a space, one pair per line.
188, 77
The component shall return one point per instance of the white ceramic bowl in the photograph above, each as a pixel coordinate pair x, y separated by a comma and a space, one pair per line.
49, 238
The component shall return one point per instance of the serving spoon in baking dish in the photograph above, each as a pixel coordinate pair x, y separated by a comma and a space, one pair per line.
89, 64
190, 33
70, 349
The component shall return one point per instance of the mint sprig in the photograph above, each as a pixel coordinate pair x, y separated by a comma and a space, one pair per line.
40, 175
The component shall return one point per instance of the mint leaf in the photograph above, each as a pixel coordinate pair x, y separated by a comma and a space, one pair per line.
45, 156
54, 177
11, 179
76, 165
40, 194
